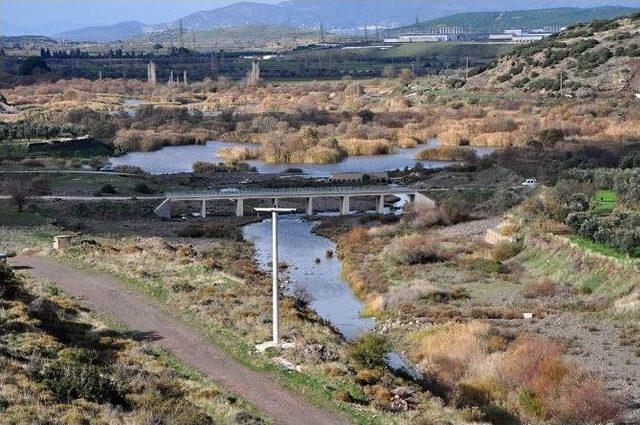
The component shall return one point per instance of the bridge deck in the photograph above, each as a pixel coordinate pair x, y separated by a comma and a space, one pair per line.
301, 192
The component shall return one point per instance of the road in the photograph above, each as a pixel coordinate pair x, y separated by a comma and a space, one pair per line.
91, 198
112, 298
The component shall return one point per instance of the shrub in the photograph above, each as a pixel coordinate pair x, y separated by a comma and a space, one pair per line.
108, 189
369, 351
482, 265
551, 136
143, 188
413, 249
70, 380
542, 288
506, 250
446, 153
211, 230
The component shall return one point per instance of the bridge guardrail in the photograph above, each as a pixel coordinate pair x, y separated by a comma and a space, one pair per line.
286, 191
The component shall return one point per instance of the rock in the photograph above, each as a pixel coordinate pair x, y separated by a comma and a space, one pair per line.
318, 353
399, 405
286, 364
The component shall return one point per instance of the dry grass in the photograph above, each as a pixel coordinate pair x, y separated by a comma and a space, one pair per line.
530, 378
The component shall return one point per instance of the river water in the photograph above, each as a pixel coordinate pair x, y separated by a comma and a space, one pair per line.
180, 159
331, 296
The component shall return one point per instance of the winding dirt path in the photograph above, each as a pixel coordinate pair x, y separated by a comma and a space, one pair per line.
147, 316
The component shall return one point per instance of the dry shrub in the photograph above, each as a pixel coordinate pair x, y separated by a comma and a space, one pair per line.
537, 289
453, 138
448, 352
237, 154
506, 250
498, 140
499, 124
446, 153
564, 392
414, 249
356, 147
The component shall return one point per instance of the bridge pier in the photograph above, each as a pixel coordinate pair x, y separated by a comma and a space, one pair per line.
380, 205
164, 209
344, 206
309, 206
239, 207
422, 201
203, 209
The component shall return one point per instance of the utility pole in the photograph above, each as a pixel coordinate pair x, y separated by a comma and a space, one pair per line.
466, 71
322, 32
274, 271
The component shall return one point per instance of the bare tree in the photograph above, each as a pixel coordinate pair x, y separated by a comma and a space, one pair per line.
19, 193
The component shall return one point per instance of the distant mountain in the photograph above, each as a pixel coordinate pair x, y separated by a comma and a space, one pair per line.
333, 14
240, 15
537, 18
120, 31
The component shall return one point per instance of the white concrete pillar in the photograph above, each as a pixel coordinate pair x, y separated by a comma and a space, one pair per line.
203, 209
164, 209
380, 206
344, 206
309, 206
239, 207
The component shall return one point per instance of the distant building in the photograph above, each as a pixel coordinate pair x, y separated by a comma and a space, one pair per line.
419, 38
518, 36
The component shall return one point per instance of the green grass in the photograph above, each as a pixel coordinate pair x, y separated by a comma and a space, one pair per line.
9, 216
314, 387
604, 201
600, 248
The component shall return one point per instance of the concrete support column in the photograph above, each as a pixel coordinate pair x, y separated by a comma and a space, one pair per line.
164, 209
380, 205
239, 207
309, 206
203, 209
344, 206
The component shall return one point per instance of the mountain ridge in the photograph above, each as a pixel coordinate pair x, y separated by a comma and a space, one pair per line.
333, 14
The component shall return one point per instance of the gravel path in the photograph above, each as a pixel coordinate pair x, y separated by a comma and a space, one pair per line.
469, 229
149, 317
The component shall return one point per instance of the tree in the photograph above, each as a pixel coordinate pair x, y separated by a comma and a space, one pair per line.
33, 64
19, 196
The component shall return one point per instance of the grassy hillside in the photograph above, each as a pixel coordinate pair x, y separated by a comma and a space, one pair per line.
586, 58
58, 361
538, 18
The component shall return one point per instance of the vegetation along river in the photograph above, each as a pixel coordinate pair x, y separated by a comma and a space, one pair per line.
180, 159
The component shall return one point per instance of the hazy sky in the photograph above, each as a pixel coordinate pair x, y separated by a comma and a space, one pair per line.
53, 16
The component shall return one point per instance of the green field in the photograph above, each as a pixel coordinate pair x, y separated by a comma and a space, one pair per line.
604, 201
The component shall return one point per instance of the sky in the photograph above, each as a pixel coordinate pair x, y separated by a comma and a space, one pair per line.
50, 17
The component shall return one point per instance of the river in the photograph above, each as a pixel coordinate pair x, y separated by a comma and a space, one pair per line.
331, 296
180, 159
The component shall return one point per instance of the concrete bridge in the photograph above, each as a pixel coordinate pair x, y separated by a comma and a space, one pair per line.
307, 193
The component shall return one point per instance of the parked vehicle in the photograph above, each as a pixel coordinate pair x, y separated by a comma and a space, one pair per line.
230, 190
530, 183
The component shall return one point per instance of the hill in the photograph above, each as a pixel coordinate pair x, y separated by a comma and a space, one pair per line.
333, 14
119, 31
539, 18
584, 59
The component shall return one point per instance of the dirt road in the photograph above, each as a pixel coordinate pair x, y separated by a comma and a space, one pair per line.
144, 315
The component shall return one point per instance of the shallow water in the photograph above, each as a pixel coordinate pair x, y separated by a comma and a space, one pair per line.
331, 297
180, 159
